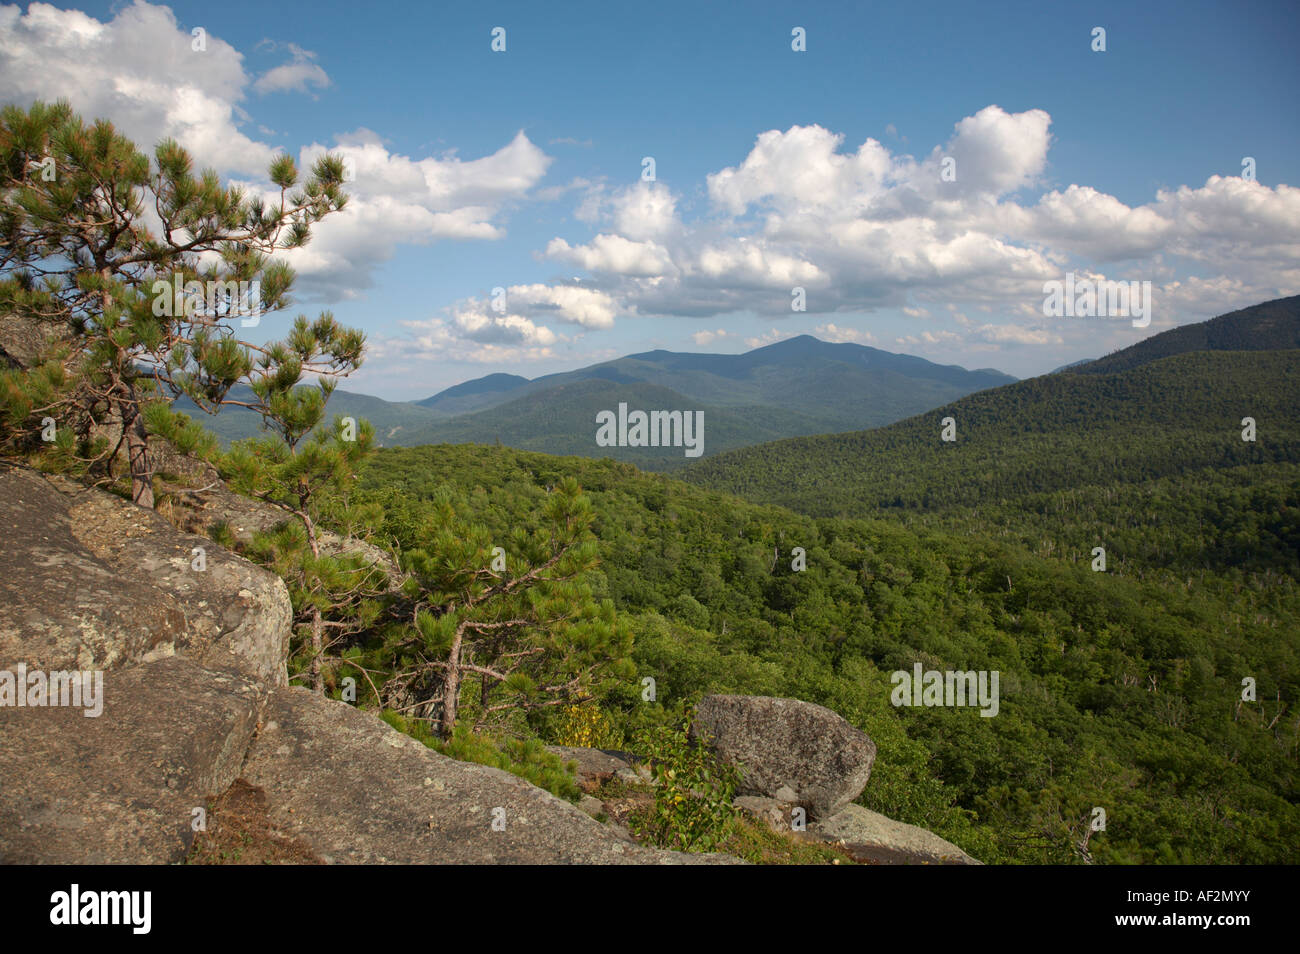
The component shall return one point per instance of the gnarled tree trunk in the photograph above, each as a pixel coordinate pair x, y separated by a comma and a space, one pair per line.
451, 687
137, 449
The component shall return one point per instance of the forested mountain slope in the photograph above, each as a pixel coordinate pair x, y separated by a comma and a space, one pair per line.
1154, 455
1268, 326
562, 420
797, 386
1116, 691
833, 381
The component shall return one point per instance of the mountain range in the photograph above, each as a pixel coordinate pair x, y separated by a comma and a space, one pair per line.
798, 386
1114, 539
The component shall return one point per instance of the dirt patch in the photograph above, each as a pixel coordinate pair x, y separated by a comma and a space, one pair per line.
241, 833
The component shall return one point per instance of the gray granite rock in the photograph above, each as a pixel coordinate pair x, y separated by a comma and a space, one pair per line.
788, 750
201, 509
358, 791
871, 837
91, 581
779, 815
121, 788
594, 765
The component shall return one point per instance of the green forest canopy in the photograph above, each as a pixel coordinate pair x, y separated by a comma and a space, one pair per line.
1118, 691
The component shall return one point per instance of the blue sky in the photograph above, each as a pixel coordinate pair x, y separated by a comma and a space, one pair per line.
522, 169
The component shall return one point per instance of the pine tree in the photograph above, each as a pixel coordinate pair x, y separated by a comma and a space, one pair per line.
141, 269
511, 628
306, 470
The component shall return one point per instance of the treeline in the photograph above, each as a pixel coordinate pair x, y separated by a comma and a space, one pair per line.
1269, 326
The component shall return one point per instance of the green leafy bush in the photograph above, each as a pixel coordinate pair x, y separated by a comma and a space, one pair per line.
692, 810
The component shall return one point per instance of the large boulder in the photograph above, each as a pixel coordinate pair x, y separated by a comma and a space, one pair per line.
91, 581
186, 657
122, 787
872, 838
355, 790
796, 752
61, 606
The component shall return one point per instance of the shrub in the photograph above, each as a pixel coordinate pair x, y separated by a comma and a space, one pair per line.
692, 810
586, 726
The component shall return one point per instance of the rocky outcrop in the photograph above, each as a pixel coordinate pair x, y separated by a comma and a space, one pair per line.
122, 788
778, 815
90, 581
865, 836
358, 791
187, 658
792, 751
594, 767
211, 502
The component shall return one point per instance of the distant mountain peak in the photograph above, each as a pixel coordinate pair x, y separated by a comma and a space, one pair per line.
498, 381
805, 342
